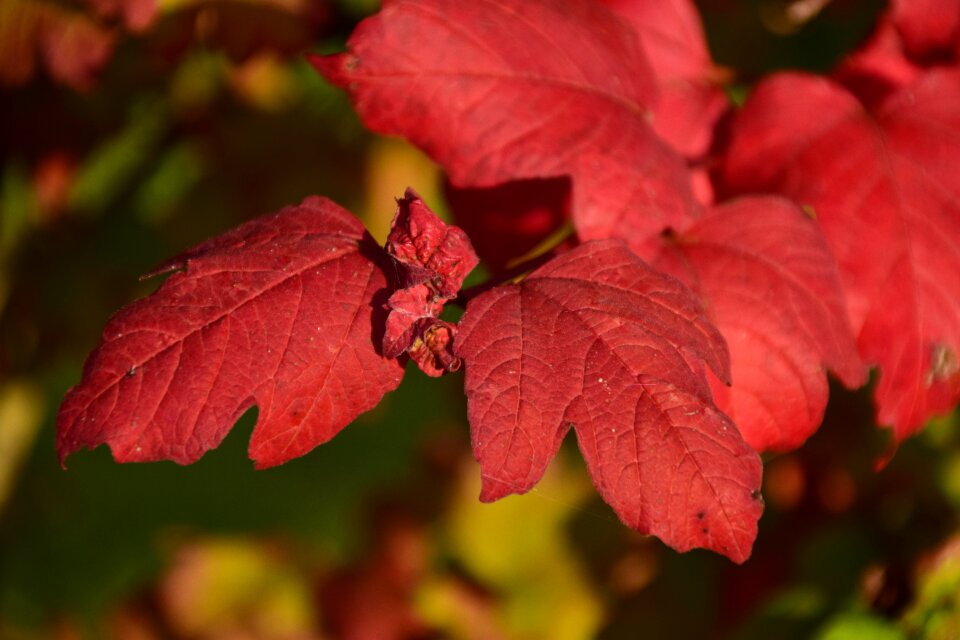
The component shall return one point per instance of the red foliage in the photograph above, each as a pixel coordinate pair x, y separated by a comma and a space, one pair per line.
427, 250
878, 68
764, 271
300, 314
886, 194
509, 220
691, 93
930, 28
431, 260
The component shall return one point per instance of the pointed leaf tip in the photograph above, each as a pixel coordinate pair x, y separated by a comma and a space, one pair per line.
335, 68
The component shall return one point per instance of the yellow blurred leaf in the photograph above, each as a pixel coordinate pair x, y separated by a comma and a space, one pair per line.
450, 605
265, 82
233, 588
518, 547
21, 413
935, 612
392, 166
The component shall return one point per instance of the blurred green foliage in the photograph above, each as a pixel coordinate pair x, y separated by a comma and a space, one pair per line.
190, 129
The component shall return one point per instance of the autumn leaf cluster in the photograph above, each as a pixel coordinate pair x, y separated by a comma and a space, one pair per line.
722, 261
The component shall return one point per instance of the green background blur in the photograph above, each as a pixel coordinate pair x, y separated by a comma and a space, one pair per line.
125, 141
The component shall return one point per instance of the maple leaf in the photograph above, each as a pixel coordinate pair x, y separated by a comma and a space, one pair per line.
885, 187
495, 92
764, 272
515, 216
598, 341
911, 37
692, 99
279, 313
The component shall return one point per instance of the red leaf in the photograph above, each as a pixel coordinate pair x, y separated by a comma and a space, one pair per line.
692, 99
432, 348
507, 221
427, 249
930, 28
413, 326
885, 187
517, 89
879, 68
408, 308
278, 313
431, 260
765, 273
599, 341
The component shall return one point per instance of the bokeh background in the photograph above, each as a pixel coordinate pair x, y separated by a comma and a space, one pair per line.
132, 129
